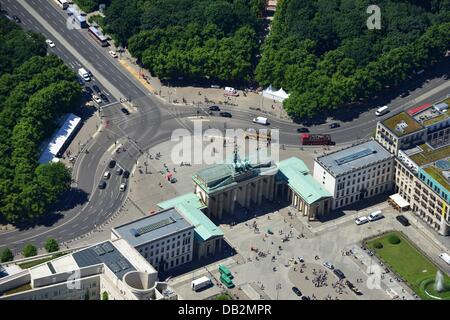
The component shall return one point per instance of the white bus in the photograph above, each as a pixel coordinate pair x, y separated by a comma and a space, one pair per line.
63, 4
200, 283
381, 111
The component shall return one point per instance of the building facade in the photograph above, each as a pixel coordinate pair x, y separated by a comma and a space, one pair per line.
355, 173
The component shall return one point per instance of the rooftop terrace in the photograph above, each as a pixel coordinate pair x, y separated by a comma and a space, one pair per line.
437, 175
429, 155
402, 117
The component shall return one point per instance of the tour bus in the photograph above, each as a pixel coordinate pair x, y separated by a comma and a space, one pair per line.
200, 283
381, 111
98, 36
63, 4
225, 271
226, 281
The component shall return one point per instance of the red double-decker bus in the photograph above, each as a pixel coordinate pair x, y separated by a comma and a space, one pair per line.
315, 139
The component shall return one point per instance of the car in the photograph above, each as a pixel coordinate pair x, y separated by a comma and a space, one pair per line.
404, 94
126, 174
102, 185
402, 219
302, 130
113, 54
214, 108
104, 97
339, 274
361, 220
119, 171
112, 164
125, 111
96, 98
328, 265
81, 81
376, 215
96, 88
50, 43
306, 298
297, 291
334, 125
300, 259
106, 175
123, 187
16, 19
225, 114
89, 90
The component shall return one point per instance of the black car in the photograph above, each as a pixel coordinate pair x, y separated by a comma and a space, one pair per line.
339, 274
104, 97
126, 174
334, 125
96, 88
402, 219
89, 90
125, 111
225, 114
16, 19
297, 291
119, 171
306, 298
112, 164
102, 185
214, 108
302, 130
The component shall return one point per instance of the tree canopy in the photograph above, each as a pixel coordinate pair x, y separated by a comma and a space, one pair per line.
35, 91
323, 53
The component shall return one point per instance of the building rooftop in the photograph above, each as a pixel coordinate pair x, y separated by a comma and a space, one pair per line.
151, 228
402, 124
298, 176
354, 157
106, 253
428, 155
431, 115
437, 174
190, 206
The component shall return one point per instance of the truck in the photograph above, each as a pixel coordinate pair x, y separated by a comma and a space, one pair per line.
200, 283
261, 120
83, 73
315, 139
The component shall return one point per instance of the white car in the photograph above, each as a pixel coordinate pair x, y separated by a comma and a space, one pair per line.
328, 265
361, 220
376, 215
113, 54
123, 187
50, 43
96, 98
107, 174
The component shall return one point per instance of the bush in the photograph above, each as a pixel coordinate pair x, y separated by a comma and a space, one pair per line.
51, 245
29, 251
378, 245
394, 239
6, 255
105, 295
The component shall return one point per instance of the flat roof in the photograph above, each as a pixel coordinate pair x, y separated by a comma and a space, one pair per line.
354, 157
298, 176
59, 138
106, 253
437, 174
427, 154
187, 198
411, 124
151, 228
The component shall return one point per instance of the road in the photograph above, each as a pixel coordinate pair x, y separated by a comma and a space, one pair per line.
152, 122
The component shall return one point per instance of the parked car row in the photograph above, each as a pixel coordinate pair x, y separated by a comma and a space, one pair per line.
374, 216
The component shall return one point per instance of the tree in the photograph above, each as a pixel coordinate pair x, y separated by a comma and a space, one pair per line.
29, 250
51, 245
6, 255
105, 295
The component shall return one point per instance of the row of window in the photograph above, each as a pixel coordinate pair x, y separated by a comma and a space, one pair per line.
354, 198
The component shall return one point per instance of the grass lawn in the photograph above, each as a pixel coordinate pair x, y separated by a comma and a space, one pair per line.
407, 261
30, 264
223, 296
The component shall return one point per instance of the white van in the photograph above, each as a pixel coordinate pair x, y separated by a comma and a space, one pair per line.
381, 111
261, 120
444, 256
200, 283
84, 74
229, 91
376, 215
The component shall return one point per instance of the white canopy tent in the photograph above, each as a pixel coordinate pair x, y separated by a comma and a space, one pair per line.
279, 95
399, 201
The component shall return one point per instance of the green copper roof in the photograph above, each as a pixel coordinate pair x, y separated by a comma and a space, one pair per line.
188, 198
189, 205
297, 175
